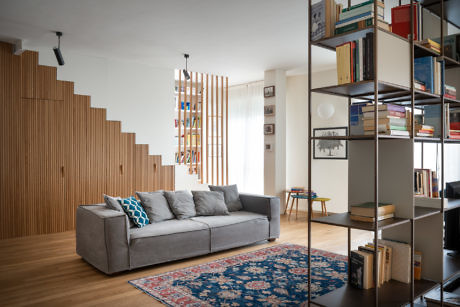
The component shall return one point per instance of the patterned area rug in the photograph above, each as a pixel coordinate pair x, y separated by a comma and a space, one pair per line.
273, 276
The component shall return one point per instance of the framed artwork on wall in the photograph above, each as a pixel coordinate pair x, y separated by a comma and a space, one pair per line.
269, 110
269, 129
333, 148
269, 91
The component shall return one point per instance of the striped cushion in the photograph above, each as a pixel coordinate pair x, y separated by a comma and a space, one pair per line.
134, 211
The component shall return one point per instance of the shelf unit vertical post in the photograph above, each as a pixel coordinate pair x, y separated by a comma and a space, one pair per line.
201, 132
376, 152
443, 132
217, 130
212, 129
226, 129
309, 151
185, 121
412, 134
207, 128
196, 123
190, 115
222, 128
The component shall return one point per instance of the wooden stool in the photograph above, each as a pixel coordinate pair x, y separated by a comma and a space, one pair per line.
323, 201
290, 192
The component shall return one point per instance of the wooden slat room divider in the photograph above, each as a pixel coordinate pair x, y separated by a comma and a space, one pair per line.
57, 152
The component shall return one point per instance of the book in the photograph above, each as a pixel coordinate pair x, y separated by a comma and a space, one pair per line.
385, 128
383, 261
394, 121
353, 19
385, 107
360, 218
417, 265
400, 20
385, 114
380, 264
343, 54
389, 132
361, 269
368, 209
400, 264
318, 13
360, 10
361, 24
424, 72
379, 3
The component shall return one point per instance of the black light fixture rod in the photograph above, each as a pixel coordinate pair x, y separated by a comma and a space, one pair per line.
59, 34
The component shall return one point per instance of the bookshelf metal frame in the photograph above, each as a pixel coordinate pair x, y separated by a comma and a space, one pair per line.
376, 90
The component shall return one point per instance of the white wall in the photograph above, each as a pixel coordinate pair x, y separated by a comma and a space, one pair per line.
140, 96
329, 177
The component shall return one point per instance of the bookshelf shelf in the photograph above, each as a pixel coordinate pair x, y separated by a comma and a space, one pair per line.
344, 220
451, 265
452, 204
422, 212
451, 9
392, 293
427, 139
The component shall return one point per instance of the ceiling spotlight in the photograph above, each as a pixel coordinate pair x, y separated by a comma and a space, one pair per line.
57, 50
186, 74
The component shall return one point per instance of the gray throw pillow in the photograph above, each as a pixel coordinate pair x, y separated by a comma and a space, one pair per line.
181, 204
209, 203
112, 203
231, 196
155, 205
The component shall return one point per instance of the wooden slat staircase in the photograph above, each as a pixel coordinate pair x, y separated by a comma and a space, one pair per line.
57, 152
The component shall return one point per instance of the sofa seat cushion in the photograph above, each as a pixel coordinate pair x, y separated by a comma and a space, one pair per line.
166, 228
235, 217
237, 229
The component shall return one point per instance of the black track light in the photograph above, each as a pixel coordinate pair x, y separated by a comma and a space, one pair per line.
186, 74
57, 50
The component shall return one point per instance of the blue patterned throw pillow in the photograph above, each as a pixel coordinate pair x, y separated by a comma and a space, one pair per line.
134, 211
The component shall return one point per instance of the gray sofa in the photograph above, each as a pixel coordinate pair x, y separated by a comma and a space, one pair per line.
105, 240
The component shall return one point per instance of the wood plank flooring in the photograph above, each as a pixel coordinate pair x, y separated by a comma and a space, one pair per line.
44, 270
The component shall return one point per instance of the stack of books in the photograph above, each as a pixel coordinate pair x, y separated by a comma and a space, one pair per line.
356, 119
428, 71
392, 120
431, 44
297, 189
355, 60
360, 16
393, 260
366, 212
424, 130
450, 91
400, 20
418, 85
325, 14
425, 183
310, 194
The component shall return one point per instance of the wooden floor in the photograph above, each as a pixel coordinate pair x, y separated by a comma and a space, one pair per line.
45, 270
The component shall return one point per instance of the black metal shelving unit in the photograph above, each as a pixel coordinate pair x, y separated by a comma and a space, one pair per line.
392, 293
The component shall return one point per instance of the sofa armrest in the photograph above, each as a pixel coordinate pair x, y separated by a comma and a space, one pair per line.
102, 237
267, 205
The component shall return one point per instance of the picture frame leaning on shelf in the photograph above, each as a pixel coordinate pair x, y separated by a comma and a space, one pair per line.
330, 149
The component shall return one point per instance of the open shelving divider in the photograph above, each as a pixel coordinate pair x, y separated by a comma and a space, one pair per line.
396, 154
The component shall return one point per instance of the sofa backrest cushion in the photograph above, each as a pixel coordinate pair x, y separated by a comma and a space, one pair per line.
231, 196
134, 211
114, 204
156, 206
181, 204
209, 203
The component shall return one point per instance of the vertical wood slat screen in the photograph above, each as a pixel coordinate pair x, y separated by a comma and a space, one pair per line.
203, 147
58, 152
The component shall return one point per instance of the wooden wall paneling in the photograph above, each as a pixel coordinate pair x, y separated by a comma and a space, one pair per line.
81, 163
112, 162
207, 129
196, 124
222, 129
185, 122
167, 178
126, 166
29, 66
179, 113
216, 118
46, 82
190, 114
212, 129
226, 130
140, 167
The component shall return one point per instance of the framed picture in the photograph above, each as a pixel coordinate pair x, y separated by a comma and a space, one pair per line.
269, 129
330, 149
269, 91
269, 110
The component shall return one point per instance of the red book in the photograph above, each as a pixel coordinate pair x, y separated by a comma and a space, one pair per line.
450, 96
455, 126
400, 20
455, 137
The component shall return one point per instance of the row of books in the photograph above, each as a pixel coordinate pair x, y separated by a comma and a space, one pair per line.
187, 105
360, 16
195, 157
195, 123
450, 91
428, 73
432, 116
365, 212
425, 183
393, 261
191, 140
453, 131
355, 60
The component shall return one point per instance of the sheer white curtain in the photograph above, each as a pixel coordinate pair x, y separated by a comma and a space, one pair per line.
245, 137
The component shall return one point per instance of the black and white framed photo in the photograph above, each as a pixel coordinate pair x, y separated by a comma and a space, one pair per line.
269, 129
330, 149
269, 91
269, 110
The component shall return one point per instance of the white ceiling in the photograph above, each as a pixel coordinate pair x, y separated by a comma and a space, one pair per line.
238, 38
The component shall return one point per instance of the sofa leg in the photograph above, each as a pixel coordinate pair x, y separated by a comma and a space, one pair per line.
271, 239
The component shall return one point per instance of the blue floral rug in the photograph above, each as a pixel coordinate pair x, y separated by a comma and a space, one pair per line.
273, 276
